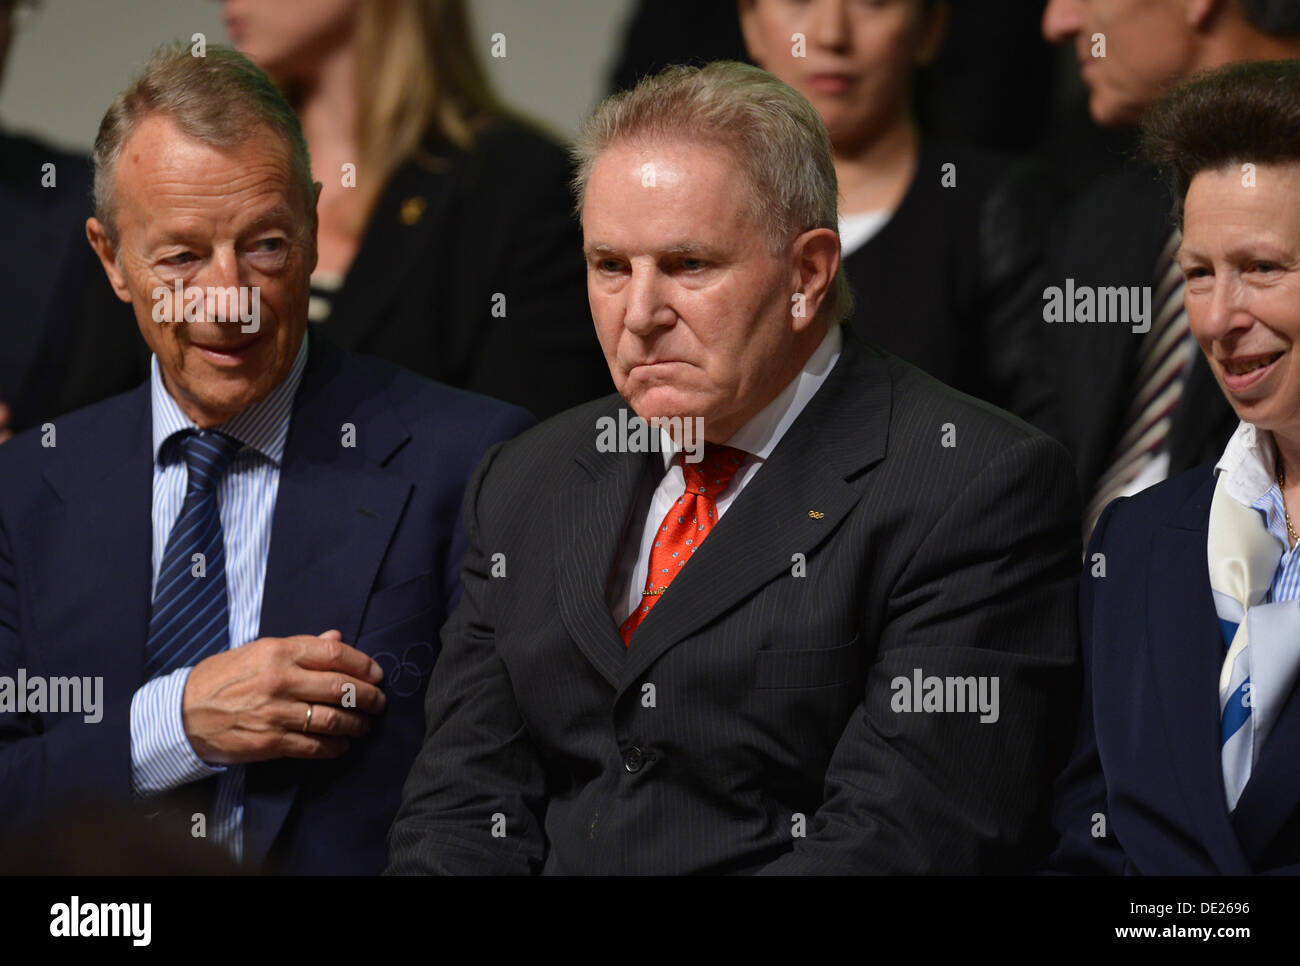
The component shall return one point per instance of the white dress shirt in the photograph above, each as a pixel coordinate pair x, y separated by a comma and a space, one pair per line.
758, 438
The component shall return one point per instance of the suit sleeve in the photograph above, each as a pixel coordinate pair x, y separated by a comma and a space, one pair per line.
51, 762
506, 425
1080, 793
474, 802
990, 594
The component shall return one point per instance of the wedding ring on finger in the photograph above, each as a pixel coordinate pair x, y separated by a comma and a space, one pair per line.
307, 724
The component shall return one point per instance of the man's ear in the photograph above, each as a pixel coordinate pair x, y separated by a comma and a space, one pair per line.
97, 235
817, 259
748, 10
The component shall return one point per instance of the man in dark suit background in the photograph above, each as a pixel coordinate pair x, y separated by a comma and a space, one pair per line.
1137, 402
890, 557
292, 507
56, 296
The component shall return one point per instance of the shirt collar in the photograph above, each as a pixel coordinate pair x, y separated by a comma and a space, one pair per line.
764, 430
1248, 464
263, 426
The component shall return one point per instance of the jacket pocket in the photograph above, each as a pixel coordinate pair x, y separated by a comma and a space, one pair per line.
806, 668
397, 603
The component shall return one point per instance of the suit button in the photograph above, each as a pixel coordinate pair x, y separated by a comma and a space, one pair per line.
632, 759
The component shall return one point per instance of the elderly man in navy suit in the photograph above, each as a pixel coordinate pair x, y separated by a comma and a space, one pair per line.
243, 564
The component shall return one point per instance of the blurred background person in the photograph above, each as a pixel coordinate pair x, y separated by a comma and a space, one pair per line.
1185, 761
56, 294
1002, 103
943, 236
455, 254
1137, 407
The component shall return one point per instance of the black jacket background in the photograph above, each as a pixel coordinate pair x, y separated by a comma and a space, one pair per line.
58, 303
1112, 235
495, 220
953, 282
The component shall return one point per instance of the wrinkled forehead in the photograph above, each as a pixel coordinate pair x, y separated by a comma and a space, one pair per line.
1269, 187
163, 168
659, 158
636, 186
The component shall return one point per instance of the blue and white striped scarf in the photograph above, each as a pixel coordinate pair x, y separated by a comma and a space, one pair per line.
1262, 636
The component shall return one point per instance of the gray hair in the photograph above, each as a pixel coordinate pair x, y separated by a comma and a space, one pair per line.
221, 98
777, 138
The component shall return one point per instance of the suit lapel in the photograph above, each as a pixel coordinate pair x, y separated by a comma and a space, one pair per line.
793, 503
600, 506
336, 511
102, 474
1186, 651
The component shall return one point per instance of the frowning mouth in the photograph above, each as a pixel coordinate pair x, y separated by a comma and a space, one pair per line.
654, 363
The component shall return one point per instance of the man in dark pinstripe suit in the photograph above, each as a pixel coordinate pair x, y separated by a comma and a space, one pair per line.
870, 666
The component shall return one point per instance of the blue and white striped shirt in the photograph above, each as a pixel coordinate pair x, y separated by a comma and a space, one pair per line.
161, 755
1286, 582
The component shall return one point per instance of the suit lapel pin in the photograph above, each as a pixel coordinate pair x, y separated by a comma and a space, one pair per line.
816, 514
413, 210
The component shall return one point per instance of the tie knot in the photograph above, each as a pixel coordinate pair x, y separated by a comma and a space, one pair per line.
207, 454
710, 475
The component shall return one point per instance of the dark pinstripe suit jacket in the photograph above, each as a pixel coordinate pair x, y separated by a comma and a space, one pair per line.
755, 723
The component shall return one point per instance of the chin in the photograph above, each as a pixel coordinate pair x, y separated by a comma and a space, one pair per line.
1109, 112
1261, 413
660, 401
231, 398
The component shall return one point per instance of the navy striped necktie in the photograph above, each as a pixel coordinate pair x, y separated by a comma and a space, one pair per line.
190, 616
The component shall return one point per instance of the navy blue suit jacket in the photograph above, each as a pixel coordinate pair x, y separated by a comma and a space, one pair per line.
1146, 755
366, 539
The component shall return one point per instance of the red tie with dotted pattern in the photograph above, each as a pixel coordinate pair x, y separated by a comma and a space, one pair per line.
685, 526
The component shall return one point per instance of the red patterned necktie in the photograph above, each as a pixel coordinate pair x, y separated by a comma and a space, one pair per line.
685, 526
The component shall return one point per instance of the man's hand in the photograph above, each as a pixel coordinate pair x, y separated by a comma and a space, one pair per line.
250, 703
5, 431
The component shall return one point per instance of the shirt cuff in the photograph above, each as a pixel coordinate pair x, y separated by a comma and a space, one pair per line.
162, 757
